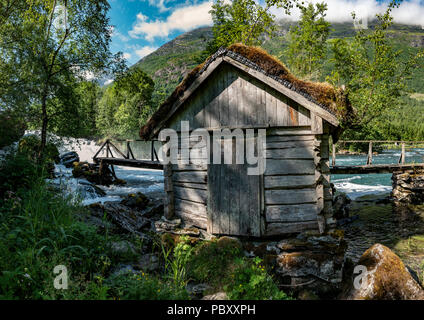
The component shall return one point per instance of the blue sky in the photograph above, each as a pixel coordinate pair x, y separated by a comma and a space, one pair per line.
141, 26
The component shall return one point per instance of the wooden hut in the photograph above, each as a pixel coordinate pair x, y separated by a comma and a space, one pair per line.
244, 87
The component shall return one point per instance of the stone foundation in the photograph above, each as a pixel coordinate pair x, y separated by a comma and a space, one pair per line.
408, 188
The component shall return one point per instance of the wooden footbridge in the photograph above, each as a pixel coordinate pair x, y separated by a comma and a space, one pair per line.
128, 159
119, 158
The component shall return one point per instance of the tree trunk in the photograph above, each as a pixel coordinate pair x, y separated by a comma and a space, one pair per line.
43, 127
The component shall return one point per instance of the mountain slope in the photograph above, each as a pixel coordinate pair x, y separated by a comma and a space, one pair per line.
169, 64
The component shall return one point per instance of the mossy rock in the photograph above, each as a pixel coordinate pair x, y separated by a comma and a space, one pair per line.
138, 200
387, 278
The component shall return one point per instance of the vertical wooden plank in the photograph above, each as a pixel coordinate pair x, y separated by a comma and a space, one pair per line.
254, 199
263, 109
252, 103
241, 111
258, 104
234, 189
316, 124
223, 98
269, 108
304, 119
293, 115
244, 221
282, 110
214, 103
199, 111
225, 184
232, 98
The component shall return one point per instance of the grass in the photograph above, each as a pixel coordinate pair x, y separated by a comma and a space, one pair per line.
40, 229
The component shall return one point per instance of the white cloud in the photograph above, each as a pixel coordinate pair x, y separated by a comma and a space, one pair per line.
182, 19
126, 55
409, 12
144, 51
160, 4
107, 82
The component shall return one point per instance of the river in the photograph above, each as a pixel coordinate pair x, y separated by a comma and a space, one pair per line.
377, 222
151, 181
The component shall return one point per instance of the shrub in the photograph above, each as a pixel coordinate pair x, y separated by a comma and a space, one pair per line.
250, 281
140, 286
212, 261
12, 127
30, 146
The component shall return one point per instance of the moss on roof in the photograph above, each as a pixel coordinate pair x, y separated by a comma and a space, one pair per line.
330, 98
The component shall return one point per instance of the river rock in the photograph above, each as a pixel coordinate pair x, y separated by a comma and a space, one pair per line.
136, 200
312, 260
120, 248
68, 159
165, 225
148, 263
408, 186
216, 296
341, 206
94, 173
386, 278
197, 290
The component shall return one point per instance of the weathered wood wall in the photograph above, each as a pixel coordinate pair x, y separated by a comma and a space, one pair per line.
188, 185
296, 181
231, 98
293, 195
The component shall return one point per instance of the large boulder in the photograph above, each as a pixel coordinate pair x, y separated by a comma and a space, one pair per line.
68, 159
312, 261
385, 278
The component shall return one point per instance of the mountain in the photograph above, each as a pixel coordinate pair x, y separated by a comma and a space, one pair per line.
169, 64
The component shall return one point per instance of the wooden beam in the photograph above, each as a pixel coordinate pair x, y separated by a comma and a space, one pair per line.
131, 163
376, 168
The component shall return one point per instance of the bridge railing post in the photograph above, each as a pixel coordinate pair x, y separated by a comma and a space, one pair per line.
333, 156
402, 155
369, 159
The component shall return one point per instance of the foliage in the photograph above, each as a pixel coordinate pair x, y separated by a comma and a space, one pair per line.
373, 71
250, 281
307, 41
30, 145
211, 262
12, 128
244, 21
46, 46
125, 104
142, 286
175, 265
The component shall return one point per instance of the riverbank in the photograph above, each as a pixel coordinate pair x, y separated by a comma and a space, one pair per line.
376, 220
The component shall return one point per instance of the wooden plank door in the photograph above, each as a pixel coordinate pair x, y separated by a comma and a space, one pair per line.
234, 199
